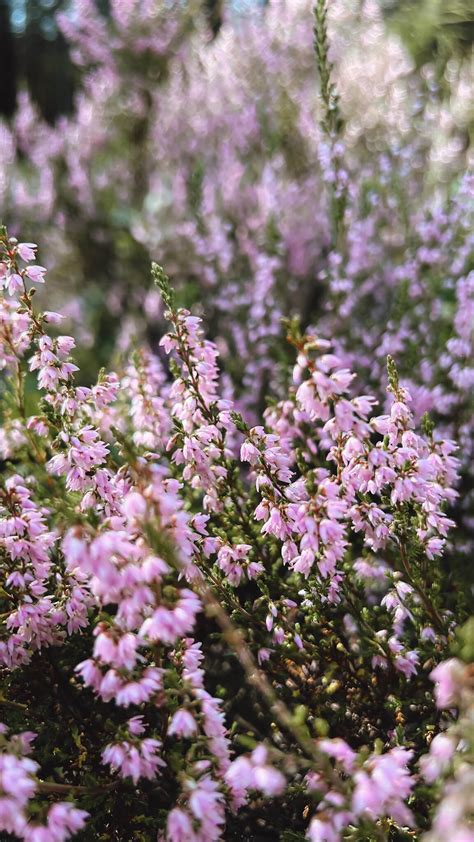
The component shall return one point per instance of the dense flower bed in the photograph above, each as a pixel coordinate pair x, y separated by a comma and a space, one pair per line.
312, 543
236, 578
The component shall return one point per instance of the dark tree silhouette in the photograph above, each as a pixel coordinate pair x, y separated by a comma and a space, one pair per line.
8, 72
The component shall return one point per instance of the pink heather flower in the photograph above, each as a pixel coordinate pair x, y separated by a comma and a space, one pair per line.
205, 801
270, 781
134, 506
445, 676
134, 692
406, 663
126, 651
434, 764
278, 635
255, 772
27, 251
14, 283
249, 453
182, 724
168, 342
340, 751
135, 725
153, 568
111, 685
168, 624
52, 318
38, 425
16, 777
263, 655
322, 831
366, 798
239, 775
64, 820
383, 788
434, 547
36, 274
90, 673
134, 760
179, 826
64, 345
105, 648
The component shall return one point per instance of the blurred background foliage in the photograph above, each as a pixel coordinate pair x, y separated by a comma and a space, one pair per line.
34, 53
433, 29
210, 159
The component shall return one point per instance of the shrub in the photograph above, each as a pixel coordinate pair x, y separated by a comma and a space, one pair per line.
235, 596
199, 616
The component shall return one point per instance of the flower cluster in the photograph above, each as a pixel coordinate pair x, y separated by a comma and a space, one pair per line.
314, 544
18, 785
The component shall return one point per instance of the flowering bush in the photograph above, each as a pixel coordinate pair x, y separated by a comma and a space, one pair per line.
199, 616
225, 615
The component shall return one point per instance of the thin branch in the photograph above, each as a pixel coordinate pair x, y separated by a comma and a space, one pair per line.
257, 679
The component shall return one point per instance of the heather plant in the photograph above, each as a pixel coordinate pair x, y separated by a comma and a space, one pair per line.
236, 593
227, 617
